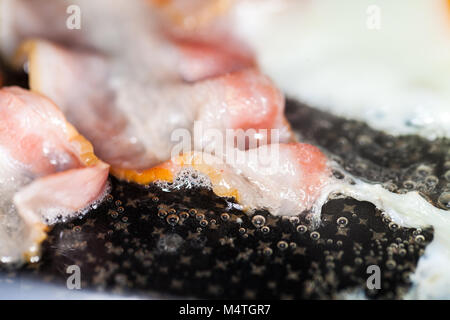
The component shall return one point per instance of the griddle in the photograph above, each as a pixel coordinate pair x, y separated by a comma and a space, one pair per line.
189, 243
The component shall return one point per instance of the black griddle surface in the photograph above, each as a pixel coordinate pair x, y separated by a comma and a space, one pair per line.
191, 243
129, 244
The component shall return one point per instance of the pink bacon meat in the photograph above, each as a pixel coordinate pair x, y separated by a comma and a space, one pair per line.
131, 125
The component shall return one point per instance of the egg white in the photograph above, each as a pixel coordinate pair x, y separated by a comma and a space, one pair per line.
395, 78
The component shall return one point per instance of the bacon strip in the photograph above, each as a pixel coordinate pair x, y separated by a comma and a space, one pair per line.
143, 38
130, 120
48, 171
284, 178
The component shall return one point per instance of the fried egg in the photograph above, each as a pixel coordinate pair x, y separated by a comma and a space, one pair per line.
383, 62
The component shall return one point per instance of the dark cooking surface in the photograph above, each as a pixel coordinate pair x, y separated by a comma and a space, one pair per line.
129, 243
402, 163
191, 243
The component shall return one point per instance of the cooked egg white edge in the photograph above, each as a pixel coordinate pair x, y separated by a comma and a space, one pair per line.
431, 278
321, 52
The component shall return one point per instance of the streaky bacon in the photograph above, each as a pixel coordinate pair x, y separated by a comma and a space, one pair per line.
130, 125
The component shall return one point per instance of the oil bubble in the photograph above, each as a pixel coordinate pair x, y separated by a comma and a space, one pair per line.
267, 251
444, 200
184, 215
302, 228
265, 229
409, 184
282, 245
431, 181
315, 235
162, 214
392, 187
342, 221
393, 226
258, 221
419, 239
172, 219
199, 216
424, 170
